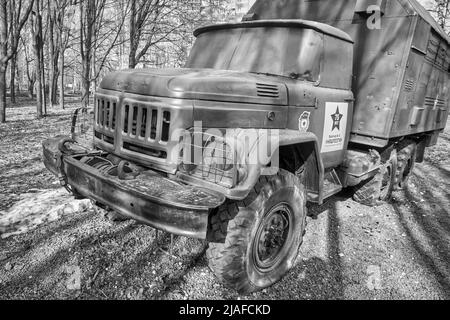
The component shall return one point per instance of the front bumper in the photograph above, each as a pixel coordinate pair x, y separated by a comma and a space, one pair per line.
150, 198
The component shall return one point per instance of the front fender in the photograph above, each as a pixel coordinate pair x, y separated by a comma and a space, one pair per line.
269, 163
258, 150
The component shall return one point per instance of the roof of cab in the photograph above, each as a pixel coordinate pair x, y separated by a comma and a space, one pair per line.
297, 23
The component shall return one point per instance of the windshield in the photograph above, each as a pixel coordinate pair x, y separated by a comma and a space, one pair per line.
289, 52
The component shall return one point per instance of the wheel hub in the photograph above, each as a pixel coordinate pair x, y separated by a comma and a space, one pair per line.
271, 236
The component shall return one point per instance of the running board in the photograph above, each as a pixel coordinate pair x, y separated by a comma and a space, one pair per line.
331, 186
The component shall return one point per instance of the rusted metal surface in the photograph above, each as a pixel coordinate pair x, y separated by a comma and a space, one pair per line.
400, 70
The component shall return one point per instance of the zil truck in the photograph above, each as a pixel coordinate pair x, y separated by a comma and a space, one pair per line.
342, 99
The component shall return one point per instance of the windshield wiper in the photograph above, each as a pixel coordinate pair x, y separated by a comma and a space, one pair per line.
294, 76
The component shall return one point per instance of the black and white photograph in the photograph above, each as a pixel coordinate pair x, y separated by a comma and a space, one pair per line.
243, 151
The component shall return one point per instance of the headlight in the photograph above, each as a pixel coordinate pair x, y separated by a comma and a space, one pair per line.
218, 155
217, 162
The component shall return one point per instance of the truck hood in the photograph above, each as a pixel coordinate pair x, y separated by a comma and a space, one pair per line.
199, 84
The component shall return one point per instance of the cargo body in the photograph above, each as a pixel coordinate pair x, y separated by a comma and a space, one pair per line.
400, 71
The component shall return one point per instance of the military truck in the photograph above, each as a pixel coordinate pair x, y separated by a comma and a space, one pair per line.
334, 98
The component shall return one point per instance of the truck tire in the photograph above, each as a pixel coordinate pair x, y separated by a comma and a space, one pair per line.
406, 161
378, 190
260, 235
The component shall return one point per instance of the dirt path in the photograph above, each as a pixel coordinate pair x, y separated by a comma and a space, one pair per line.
397, 251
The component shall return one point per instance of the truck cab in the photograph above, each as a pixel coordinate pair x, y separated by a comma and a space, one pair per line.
288, 75
302, 69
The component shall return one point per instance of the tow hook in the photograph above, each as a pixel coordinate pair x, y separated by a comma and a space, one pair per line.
127, 171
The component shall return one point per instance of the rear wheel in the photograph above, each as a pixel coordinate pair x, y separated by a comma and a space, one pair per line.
261, 235
378, 189
406, 162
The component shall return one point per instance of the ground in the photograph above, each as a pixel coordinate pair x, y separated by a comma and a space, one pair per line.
53, 247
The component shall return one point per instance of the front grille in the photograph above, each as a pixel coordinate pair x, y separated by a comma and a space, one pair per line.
146, 122
145, 150
140, 130
104, 137
106, 114
105, 119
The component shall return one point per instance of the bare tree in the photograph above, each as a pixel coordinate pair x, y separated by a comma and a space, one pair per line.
19, 11
96, 37
165, 26
53, 49
440, 9
13, 65
31, 74
154, 22
81, 40
38, 46
144, 17
63, 34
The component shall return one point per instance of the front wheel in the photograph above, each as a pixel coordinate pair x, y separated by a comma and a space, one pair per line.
260, 235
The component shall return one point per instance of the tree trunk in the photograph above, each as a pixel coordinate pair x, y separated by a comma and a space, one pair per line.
45, 85
2, 94
61, 80
31, 89
31, 78
19, 79
12, 85
53, 53
39, 87
54, 84
74, 83
87, 15
133, 36
37, 46
132, 59
3, 59
85, 88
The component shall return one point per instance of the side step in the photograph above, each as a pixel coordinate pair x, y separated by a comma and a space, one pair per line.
331, 186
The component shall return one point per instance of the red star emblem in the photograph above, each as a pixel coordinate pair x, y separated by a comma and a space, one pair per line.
337, 117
